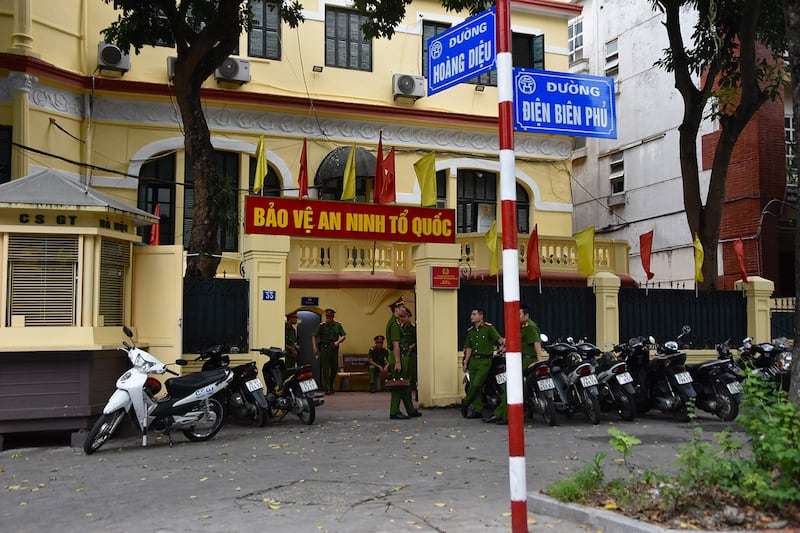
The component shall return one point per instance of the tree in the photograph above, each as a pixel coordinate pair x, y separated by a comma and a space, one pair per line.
205, 33
792, 17
736, 78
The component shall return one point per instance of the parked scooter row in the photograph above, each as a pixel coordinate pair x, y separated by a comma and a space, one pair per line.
197, 404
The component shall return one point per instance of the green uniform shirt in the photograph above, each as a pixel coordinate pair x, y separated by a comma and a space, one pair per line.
379, 355
329, 333
482, 339
290, 335
394, 333
408, 336
529, 334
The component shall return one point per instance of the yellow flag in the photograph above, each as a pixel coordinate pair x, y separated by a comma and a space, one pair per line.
261, 166
491, 242
699, 255
425, 169
349, 184
584, 241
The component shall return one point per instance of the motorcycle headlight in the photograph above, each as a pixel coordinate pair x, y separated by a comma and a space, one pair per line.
785, 361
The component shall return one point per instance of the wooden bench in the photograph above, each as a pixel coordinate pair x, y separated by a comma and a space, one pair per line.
353, 372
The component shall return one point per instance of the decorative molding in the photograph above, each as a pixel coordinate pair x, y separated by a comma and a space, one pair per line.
19, 82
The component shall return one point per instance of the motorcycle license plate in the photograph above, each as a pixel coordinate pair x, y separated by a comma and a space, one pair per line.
683, 378
254, 385
501, 378
734, 387
546, 384
624, 378
588, 381
308, 385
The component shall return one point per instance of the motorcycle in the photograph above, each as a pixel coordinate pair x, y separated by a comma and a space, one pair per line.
244, 400
539, 392
717, 385
615, 383
661, 382
494, 384
190, 405
575, 380
292, 390
771, 360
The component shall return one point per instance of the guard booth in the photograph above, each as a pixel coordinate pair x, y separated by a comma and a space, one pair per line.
69, 268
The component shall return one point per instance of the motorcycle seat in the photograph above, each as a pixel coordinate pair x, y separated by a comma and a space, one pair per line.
693, 367
186, 384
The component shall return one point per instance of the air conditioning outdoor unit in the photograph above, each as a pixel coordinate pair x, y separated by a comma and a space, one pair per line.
171, 67
408, 86
233, 70
111, 57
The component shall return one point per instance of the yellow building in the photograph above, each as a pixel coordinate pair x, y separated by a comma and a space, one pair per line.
76, 112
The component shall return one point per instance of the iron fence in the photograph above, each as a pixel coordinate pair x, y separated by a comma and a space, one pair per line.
782, 312
215, 311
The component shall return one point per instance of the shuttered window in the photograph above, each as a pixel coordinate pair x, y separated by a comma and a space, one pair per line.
114, 263
43, 279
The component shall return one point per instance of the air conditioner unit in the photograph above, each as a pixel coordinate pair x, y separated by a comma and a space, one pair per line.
171, 67
233, 70
408, 86
111, 57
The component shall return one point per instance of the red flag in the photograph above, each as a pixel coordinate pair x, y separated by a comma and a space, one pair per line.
384, 176
738, 247
155, 229
303, 180
645, 250
380, 177
532, 261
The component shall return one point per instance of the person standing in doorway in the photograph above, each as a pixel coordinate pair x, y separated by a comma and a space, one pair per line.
482, 337
290, 338
329, 336
378, 362
400, 339
410, 331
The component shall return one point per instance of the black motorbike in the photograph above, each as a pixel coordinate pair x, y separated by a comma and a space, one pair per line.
289, 390
575, 380
538, 390
244, 399
772, 361
615, 383
717, 385
494, 384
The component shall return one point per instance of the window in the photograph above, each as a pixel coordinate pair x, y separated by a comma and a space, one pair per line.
476, 202
527, 51
345, 46
523, 210
612, 59
272, 183
430, 29
441, 188
788, 134
265, 35
575, 39
42, 279
157, 186
617, 172
228, 199
5, 154
115, 259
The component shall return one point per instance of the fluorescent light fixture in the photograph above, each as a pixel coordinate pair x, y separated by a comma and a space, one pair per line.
316, 68
479, 88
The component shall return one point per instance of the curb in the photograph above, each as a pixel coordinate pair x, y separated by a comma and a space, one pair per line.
601, 519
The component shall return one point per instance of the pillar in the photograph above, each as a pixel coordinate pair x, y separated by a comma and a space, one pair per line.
21, 85
440, 377
606, 304
22, 37
759, 321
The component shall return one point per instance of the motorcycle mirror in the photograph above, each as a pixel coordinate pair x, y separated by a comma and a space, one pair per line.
544, 337
651, 339
181, 362
686, 329
127, 331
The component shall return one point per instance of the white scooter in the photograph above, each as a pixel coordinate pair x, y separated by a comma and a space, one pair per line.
187, 407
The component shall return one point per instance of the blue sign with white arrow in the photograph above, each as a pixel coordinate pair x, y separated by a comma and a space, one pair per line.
558, 103
462, 52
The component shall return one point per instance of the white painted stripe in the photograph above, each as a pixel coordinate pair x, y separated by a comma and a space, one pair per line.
514, 375
508, 185
511, 275
516, 479
505, 85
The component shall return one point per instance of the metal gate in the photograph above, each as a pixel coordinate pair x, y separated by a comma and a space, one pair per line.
215, 311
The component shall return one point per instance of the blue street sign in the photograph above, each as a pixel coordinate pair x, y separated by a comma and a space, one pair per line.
269, 296
558, 103
462, 52
309, 301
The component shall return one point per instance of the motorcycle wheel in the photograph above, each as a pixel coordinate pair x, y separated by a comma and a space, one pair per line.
305, 409
727, 406
591, 406
549, 411
261, 417
626, 405
102, 430
198, 435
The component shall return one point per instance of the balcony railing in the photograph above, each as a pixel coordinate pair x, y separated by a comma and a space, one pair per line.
332, 256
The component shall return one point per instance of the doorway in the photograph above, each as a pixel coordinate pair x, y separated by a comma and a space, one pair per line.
307, 322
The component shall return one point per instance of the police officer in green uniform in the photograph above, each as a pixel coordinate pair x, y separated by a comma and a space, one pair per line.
412, 352
478, 348
326, 341
401, 339
531, 348
290, 339
378, 362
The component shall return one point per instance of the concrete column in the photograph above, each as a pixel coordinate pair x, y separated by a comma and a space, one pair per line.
265, 259
758, 292
21, 85
440, 377
88, 281
606, 304
22, 38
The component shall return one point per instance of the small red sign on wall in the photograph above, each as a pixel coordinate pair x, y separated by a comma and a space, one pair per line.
445, 278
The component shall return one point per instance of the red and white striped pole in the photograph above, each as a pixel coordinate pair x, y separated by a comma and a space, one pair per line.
508, 205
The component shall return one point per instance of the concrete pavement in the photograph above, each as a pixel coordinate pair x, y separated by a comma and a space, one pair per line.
353, 470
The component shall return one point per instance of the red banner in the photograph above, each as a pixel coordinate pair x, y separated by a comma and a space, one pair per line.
345, 220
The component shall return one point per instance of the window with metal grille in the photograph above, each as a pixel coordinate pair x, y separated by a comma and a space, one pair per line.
345, 45
430, 29
42, 279
5, 154
264, 39
115, 259
791, 162
157, 187
476, 202
575, 39
527, 51
227, 198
